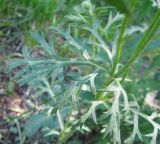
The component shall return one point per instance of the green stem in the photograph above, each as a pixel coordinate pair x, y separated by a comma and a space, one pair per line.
19, 131
142, 44
64, 136
124, 76
89, 63
68, 62
120, 38
119, 44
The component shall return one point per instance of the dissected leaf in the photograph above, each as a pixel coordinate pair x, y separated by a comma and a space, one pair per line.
91, 111
44, 45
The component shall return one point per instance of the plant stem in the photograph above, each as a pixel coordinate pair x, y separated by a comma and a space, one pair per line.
120, 38
64, 136
124, 76
89, 63
140, 47
119, 44
66, 62
19, 131
144, 41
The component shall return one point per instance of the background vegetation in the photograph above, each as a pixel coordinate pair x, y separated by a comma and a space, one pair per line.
79, 72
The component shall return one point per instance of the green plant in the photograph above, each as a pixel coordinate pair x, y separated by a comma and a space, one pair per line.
95, 89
